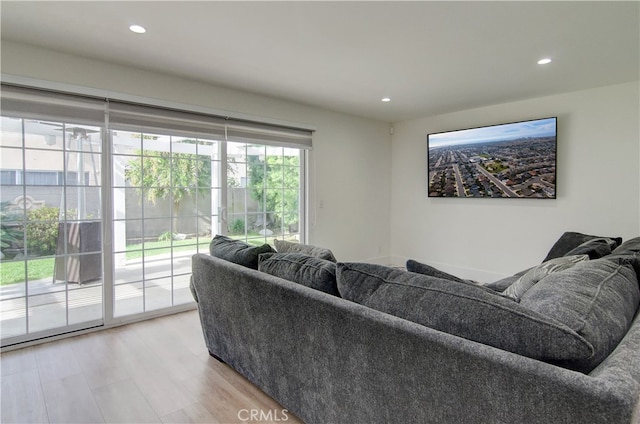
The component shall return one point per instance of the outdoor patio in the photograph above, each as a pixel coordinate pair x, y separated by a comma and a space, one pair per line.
58, 304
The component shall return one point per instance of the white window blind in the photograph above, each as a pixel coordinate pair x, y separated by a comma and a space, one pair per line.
134, 117
253, 132
33, 103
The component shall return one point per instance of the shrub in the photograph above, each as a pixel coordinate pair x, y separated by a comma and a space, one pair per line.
42, 231
10, 229
237, 226
166, 236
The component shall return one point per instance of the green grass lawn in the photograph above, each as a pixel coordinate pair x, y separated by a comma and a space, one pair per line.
151, 248
14, 271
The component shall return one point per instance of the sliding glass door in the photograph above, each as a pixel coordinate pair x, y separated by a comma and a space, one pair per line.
51, 267
105, 202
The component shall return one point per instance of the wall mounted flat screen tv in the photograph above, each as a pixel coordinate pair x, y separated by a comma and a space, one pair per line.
516, 160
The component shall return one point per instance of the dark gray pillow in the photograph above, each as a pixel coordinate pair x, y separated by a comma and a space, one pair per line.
596, 248
309, 271
420, 268
283, 246
630, 251
537, 273
597, 299
629, 247
571, 240
462, 309
237, 251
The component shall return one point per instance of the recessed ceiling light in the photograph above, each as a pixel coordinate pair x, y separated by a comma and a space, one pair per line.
137, 29
386, 99
544, 61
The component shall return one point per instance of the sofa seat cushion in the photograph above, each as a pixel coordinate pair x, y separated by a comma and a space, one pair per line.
319, 274
462, 309
596, 299
237, 251
570, 240
283, 246
537, 273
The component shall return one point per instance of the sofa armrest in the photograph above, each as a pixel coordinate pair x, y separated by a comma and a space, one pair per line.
622, 367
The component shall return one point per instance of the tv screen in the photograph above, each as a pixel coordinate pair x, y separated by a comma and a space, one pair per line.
516, 160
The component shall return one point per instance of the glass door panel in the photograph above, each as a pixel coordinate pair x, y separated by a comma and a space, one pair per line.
166, 199
51, 267
263, 193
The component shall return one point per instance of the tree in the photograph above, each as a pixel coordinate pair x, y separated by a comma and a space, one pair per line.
174, 176
274, 184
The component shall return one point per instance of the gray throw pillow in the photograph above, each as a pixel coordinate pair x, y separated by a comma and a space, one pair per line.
629, 247
537, 273
570, 240
630, 251
596, 248
309, 271
462, 309
237, 251
283, 246
596, 299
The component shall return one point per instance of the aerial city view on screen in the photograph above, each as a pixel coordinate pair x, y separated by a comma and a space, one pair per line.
509, 160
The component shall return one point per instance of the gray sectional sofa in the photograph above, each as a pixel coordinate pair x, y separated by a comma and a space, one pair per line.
362, 343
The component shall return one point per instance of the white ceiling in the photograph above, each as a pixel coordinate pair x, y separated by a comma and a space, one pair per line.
429, 57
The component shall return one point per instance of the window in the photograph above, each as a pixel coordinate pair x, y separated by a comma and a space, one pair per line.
8, 177
154, 184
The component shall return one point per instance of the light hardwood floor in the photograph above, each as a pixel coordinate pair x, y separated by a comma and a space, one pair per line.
156, 371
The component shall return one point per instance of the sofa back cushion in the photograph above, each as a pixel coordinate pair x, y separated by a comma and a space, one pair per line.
319, 274
283, 246
596, 299
460, 308
237, 251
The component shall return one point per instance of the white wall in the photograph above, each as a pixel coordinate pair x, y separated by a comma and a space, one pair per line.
350, 167
373, 191
598, 186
